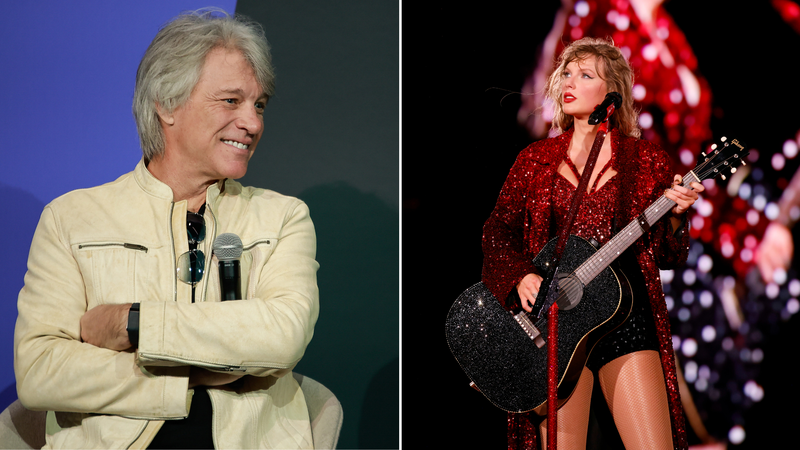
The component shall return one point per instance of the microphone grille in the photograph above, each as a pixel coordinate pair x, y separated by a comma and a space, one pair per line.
227, 247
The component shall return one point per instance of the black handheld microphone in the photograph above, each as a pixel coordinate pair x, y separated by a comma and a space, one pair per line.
604, 110
228, 248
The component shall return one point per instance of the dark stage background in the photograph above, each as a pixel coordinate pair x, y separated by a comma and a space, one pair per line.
461, 67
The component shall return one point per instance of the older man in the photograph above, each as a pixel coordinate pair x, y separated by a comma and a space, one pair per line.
121, 330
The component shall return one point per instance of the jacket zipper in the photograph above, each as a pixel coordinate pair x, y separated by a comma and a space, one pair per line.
210, 254
115, 244
263, 241
174, 256
189, 362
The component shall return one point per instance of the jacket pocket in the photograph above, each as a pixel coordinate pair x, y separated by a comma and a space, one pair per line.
109, 271
259, 252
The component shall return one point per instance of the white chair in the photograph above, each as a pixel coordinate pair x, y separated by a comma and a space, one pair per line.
324, 410
21, 428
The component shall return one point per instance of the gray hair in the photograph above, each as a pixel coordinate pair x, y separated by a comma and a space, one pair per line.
171, 66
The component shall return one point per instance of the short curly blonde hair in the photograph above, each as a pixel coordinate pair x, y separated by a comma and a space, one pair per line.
612, 67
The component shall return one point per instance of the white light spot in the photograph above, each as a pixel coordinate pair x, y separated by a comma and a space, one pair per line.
623, 22
706, 299
736, 435
698, 222
779, 275
745, 190
645, 120
690, 372
778, 161
772, 210
759, 202
746, 255
689, 277
727, 249
754, 391
650, 52
727, 344
675, 96
689, 347
752, 217
790, 149
709, 333
582, 9
639, 92
772, 290
794, 287
705, 263
687, 157
705, 208
701, 385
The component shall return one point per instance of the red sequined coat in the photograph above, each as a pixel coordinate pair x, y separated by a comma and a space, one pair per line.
520, 226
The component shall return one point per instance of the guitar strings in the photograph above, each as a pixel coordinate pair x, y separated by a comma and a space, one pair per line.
573, 288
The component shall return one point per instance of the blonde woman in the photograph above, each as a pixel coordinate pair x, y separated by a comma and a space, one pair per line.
634, 365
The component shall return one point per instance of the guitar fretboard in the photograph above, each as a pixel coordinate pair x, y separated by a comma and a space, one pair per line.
609, 252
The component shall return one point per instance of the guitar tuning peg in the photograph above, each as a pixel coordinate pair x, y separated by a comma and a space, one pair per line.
733, 170
723, 139
704, 154
744, 163
723, 177
713, 146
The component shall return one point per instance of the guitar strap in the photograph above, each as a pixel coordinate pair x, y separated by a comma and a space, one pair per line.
564, 233
551, 305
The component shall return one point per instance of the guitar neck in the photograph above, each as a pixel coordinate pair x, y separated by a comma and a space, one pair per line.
609, 252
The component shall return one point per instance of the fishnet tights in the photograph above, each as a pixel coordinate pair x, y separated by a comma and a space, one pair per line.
633, 386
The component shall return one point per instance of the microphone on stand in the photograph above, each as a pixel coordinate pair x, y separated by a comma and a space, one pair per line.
604, 110
228, 248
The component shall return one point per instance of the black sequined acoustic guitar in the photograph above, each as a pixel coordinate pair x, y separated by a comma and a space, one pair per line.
503, 353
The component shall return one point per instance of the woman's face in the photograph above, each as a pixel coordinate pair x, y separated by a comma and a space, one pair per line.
582, 88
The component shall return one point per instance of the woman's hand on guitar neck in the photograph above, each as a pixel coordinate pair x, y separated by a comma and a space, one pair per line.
527, 290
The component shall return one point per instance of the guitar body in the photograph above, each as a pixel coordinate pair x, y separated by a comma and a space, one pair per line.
502, 360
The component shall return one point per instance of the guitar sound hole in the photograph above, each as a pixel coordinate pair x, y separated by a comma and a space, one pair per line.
570, 292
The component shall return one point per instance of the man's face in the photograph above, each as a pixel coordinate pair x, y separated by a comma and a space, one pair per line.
215, 132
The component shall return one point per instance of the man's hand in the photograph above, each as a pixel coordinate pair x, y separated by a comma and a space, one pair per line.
106, 326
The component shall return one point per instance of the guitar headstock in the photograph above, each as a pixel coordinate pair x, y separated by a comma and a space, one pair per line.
722, 159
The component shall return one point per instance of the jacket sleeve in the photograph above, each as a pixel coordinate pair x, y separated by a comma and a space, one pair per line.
670, 248
266, 334
54, 369
505, 261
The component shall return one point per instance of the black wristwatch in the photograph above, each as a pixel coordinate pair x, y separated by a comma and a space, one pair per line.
133, 325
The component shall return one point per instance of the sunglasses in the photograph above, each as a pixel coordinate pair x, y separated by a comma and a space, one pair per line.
192, 264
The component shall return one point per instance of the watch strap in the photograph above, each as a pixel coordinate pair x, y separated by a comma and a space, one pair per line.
133, 325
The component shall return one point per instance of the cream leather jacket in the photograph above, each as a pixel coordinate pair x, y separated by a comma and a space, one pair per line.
118, 243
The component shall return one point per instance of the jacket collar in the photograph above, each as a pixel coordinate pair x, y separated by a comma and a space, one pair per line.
157, 188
